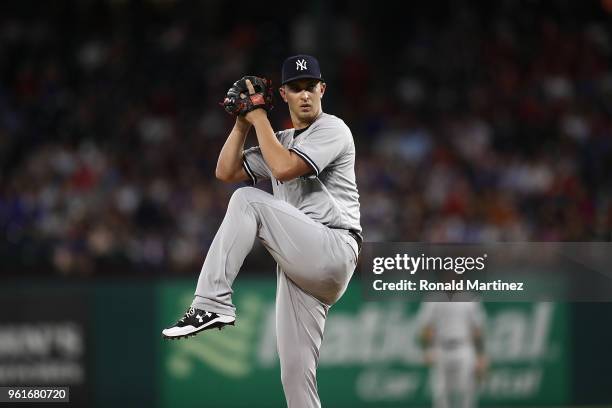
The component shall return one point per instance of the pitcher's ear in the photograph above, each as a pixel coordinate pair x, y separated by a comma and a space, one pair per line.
281, 91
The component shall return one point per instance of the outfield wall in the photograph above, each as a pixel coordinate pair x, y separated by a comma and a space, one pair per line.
103, 339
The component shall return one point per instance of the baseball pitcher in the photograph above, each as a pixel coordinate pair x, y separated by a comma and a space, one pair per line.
310, 225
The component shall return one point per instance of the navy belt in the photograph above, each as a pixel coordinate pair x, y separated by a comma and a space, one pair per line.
356, 237
353, 233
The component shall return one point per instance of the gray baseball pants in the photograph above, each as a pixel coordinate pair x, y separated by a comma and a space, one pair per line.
315, 264
453, 378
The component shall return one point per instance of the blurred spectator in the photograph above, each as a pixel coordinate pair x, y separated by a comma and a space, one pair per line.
486, 123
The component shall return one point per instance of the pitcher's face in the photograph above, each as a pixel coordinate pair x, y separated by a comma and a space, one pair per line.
304, 98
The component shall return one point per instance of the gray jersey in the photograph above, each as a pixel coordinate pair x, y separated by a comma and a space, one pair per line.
452, 321
327, 195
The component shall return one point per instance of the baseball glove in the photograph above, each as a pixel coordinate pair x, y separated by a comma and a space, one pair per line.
238, 102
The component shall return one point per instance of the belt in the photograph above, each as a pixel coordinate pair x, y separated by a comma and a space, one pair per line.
450, 344
354, 234
356, 237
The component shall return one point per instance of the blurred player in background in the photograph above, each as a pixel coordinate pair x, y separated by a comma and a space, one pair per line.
452, 335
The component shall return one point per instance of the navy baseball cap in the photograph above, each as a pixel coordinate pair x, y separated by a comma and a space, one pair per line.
300, 67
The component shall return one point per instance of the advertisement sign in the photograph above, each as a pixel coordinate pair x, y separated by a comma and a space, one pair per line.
370, 356
44, 343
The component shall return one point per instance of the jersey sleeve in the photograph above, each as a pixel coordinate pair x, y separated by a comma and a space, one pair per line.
255, 165
322, 146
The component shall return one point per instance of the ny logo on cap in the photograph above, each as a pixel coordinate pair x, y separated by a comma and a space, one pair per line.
300, 64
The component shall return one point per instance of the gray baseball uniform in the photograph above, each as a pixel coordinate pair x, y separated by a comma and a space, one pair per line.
305, 226
452, 375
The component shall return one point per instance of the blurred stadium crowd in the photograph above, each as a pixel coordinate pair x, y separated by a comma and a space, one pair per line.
471, 124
